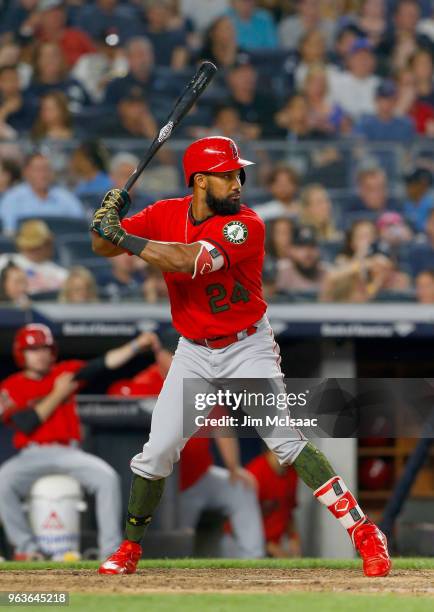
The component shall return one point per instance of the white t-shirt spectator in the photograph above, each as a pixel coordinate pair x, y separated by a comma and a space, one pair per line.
355, 96
203, 12
43, 276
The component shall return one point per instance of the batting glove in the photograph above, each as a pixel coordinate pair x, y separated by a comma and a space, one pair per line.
117, 199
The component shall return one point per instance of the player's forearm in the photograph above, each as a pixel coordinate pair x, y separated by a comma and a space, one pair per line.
103, 247
171, 257
48, 405
230, 452
117, 357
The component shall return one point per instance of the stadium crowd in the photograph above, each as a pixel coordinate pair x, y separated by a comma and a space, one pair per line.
333, 99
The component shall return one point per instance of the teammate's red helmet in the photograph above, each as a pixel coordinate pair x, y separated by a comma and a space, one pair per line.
31, 336
213, 154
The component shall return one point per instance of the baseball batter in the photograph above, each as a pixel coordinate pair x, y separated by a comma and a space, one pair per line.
211, 250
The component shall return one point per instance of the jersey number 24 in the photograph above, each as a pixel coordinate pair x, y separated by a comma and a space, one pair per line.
218, 297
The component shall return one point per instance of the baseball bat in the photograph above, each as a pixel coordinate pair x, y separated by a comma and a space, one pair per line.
191, 93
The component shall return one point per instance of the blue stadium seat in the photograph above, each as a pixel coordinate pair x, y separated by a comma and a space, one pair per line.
60, 225
7, 245
74, 248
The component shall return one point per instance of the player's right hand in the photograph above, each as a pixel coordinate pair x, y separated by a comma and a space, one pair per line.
117, 199
65, 385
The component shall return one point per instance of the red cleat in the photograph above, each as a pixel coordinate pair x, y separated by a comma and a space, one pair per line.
371, 544
124, 560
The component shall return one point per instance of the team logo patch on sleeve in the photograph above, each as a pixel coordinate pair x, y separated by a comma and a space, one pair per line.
235, 232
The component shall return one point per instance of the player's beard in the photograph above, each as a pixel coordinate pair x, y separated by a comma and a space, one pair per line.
222, 206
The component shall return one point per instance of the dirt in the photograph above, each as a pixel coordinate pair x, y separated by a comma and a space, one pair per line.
219, 580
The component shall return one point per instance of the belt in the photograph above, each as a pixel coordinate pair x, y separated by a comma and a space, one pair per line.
224, 341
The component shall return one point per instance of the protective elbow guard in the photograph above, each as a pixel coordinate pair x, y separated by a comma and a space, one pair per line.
209, 259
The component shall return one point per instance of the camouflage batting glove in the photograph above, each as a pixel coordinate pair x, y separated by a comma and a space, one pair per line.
110, 226
117, 199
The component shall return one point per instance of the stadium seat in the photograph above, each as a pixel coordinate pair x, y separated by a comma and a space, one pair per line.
7, 245
330, 249
74, 248
61, 225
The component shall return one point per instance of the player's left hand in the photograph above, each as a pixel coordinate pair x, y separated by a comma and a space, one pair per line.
110, 227
117, 199
244, 476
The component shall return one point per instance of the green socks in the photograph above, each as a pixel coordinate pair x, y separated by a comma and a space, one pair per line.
145, 496
313, 467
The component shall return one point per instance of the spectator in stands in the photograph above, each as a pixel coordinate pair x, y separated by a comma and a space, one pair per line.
303, 270
425, 287
324, 116
203, 14
54, 120
421, 255
79, 287
16, 111
15, 16
255, 107
37, 196
384, 125
407, 103
308, 17
419, 200
95, 70
372, 192
358, 240
354, 89
133, 119
50, 26
169, 44
121, 166
227, 122
14, 287
393, 229
51, 73
220, 44
11, 54
154, 287
108, 15
140, 76
254, 27
317, 211
283, 184
364, 279
345, 39
10, 174
35, 243
312, 53
403, 38
124, 279
372, 20
421, 64
294, 119
280, 231
89, 164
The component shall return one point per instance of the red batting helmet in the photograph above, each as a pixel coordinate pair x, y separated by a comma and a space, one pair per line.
213, 154
32, 336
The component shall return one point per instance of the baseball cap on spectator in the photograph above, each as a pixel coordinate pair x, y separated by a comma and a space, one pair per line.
386, 89
33, 234
47, 5
360, 44
304, 235
417, 175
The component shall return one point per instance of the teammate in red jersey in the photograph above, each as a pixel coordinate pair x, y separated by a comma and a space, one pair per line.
39, 403
211, 249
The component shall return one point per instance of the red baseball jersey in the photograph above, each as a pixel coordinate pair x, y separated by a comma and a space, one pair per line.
18, 392
227, 300
277, 496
